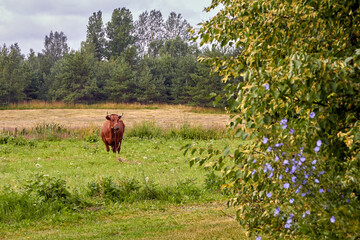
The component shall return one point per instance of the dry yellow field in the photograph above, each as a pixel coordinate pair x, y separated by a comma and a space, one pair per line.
83, 118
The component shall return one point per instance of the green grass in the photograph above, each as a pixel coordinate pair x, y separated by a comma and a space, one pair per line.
164, 197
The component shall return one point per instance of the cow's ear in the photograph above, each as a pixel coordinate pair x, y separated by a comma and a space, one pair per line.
108, 117
120, 117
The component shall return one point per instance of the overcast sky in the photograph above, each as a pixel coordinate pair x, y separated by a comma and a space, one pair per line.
26, 22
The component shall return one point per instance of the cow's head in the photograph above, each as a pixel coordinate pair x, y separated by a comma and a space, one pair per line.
114, 121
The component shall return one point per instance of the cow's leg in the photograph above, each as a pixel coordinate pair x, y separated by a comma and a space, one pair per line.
107, 147
113, 147
119, 147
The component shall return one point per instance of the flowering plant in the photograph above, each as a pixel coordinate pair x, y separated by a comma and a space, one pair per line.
298, 105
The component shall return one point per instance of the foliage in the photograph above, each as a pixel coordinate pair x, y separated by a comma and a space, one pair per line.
299, 105
146, 61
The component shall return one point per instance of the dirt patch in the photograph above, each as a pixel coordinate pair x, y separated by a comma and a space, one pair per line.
83, 118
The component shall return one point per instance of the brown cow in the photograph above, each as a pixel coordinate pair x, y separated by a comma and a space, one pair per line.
112, 132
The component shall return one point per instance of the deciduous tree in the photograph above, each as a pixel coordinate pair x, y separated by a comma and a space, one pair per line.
299, 108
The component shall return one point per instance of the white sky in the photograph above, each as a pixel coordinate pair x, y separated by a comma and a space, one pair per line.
26, 22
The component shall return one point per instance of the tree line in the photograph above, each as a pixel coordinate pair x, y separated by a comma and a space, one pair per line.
148, 60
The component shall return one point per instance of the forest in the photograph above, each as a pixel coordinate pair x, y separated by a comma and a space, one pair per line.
149, 60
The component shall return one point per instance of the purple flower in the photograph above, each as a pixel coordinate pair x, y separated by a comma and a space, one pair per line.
283, 123
254, 161
266, 86
276, 158
270, 175
316, 180
286, 162
293, 179
277, 211
304, 182
286, 185
288, 225
269, 195
318, 143
259, 238
321, 173
313, 162
321, 190
265, 140
312, 115
302, 159
291, 131
280, 177
291, 200
303, 194
253, 172
269, 149
316, 149
332, 219
293, 169
307, 212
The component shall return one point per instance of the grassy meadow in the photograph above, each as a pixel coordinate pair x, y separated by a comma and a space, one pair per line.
60, 183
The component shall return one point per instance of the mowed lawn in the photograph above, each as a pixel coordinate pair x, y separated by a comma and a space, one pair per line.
158, 161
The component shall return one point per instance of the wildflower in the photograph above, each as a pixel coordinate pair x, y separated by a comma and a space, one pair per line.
303, 194
318, 143
312, 115
265, 140
283, 123
317, 148
332, 219
313, 162
254, 161
286, 185
269, 149
304, 182
269, 195
280, 177
286, 169
253, 172
270, 175
321, 190
286, 162
316, 180
291, 131
293, 169
276, 158
266, 86
291, 200
321, 173
277, 211
259, 238
303, 215
288, 225
307, 212
302, 159
293, 179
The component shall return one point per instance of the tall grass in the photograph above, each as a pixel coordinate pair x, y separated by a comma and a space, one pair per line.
145, 130
36, 104
44, 196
